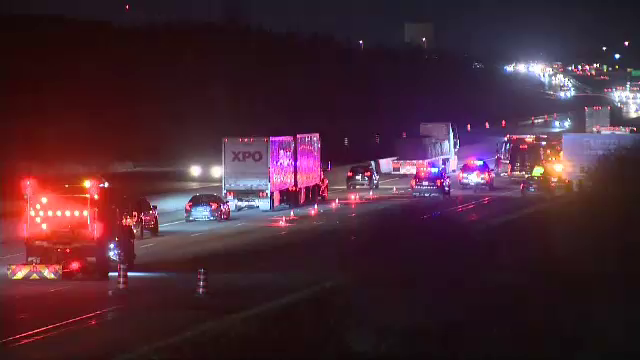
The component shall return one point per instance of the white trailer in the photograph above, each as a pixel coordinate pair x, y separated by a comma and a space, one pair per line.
438, 144
265, 172
581, 152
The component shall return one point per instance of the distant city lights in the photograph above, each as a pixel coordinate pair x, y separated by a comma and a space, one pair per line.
616, 56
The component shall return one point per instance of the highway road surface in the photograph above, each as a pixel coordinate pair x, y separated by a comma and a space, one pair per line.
261, 261
253, 260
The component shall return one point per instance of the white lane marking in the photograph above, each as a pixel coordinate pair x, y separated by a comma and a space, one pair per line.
146, 245
172, 223
12, 255
220, 324
239, 224
32, 332
196, 234
60, 288
389, 179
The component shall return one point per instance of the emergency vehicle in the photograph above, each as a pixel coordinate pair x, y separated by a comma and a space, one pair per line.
66, 229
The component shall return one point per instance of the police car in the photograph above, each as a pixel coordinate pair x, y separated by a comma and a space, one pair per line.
476, 173
431, 181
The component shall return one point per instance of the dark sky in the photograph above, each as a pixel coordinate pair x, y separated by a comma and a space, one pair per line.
518, 28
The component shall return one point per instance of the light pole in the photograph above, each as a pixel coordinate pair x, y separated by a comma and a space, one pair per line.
604, 48
424, 42
626, 44
361, 44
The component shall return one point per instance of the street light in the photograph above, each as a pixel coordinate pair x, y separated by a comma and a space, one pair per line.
604, 48
424, 42
626, 43
361, 44
616, 56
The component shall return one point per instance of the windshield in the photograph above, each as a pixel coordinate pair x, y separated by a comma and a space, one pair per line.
531, 153
472, 168
360, 169
205, 199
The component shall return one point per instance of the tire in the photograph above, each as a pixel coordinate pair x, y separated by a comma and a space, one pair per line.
155, 229
569, 187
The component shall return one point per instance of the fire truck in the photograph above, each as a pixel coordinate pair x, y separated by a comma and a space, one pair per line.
69, 228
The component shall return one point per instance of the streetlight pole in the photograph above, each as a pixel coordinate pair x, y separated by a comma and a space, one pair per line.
361, 45
424, 42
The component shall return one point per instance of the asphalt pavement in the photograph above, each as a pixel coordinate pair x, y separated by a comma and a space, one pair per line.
256, 259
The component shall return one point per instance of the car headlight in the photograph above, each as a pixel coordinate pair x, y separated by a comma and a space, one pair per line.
216, 171
195, 170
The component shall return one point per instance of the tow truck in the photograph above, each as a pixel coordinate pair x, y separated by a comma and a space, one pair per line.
66, 229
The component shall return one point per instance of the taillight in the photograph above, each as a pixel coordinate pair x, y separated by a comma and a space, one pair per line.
460, 175
350, 173
230, 195
213, 205
413, 183
188, 206
368, 173
486, 176
438, 182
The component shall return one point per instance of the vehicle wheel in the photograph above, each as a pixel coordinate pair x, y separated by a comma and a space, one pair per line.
325, 196
102, 271
155, 229
491, 187
569, 187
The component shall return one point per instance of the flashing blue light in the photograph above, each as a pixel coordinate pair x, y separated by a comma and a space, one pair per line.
434, 169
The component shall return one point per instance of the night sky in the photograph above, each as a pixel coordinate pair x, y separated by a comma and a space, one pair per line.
484, 28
